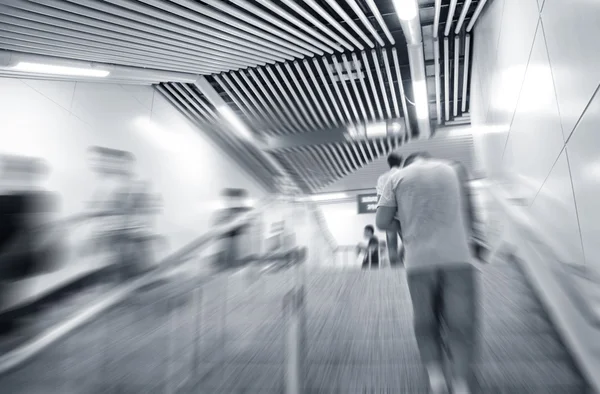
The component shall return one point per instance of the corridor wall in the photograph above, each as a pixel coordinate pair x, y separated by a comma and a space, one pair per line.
58, 121
535, 110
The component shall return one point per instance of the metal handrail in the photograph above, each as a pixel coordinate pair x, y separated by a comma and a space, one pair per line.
18, 356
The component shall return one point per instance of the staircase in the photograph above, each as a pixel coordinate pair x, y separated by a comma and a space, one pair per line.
230, 338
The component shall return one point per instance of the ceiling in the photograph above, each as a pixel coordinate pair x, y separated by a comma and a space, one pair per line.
285, 67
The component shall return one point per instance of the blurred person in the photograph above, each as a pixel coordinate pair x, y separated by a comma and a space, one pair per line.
395, 256
369, 251
29, 243
235, 246
427, 198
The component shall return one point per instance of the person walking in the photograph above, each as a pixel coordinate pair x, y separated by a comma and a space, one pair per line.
395, 257
425, 202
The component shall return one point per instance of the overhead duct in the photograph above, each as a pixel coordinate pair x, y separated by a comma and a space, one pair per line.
9, 62
416, 59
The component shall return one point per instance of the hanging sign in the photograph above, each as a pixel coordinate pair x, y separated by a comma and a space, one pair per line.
367, 203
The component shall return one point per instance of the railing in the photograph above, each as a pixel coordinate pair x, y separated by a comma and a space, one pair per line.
192, 286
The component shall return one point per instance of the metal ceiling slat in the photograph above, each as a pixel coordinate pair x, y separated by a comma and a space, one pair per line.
48, 15
327, 166
367, 66
345, 159
381, 83
306, 15
310, 166
200, 118
362, 150
276, 22
447, 79
59, 51
230, 94
386, 63
361, 162
352, 158
223, 21
456, 74
345, 88
450, 17
279, 103
340, 11
92, 34
364, 87
186, 95
272, 107
325, 15
402, 92
317, 86
315, 102
264, 107
239, 150
381, 22
355, 89
337, 91
338, 159
296, 173
292, 92
300, 89
377, 148
128, 13
365, 21
438, 82
463, 15
383, 149
48, 38
466, 71
370, 151
340, 119
263, 117
201, 23
203, 103
338, 170
289, 102
241, 97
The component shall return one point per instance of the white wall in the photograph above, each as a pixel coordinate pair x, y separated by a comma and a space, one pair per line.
535, 112
345, 224
58, 121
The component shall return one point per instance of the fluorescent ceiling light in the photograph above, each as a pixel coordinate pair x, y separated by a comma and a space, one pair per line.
421, 101
406, 9
40, 68
375, 130
237, 124
328, 197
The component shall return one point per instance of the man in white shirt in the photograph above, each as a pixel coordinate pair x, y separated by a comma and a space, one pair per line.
427, 200
395, 163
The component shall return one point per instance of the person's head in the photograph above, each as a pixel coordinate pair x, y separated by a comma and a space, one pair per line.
369, 231
394, 160
234, 198
414, 157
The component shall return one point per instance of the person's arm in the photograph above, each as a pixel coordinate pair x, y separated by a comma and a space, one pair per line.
386, 209
469, 207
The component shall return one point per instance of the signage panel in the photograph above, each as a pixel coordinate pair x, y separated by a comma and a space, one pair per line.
367, 203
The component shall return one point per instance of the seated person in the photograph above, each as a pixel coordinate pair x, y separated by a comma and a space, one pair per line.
370, 250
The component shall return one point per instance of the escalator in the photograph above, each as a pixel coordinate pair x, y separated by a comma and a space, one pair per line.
230, 333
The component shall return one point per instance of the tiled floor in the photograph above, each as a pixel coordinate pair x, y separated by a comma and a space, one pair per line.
229, 338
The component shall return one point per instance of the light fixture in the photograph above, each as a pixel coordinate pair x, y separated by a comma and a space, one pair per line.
421, 102
233, 119
40, 68
376, 130
406, 9
328, 197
